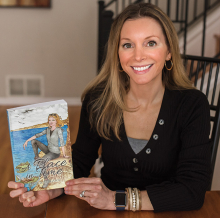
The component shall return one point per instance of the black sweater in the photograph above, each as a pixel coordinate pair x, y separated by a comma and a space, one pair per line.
174, 167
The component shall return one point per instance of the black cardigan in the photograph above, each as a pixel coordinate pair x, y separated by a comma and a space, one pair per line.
174, 166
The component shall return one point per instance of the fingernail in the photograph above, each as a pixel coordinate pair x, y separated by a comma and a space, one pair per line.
66, 188
67, 192
12, 195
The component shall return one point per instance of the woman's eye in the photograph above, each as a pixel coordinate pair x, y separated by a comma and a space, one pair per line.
151, 43
127, 45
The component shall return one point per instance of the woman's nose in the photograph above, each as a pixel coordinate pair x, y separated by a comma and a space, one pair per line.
139, 54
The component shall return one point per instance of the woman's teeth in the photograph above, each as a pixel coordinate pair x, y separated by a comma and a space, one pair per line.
142, 68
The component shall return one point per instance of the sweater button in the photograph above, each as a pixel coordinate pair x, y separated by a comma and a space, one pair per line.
135, 160
148, 151
155, 136
136, 169
161, 121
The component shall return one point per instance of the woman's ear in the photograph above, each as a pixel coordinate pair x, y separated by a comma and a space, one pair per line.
168, 57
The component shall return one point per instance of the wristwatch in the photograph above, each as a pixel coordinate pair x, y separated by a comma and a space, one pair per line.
120, 199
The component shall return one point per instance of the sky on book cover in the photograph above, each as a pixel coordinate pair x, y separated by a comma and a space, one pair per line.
21, 118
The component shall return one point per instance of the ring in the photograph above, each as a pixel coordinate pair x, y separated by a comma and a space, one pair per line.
82, 194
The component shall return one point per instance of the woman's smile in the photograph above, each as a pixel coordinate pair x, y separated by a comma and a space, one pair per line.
141, 69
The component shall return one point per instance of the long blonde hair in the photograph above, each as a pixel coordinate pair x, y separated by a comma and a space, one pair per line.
108, 89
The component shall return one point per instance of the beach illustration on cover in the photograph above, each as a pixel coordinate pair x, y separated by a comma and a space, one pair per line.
41, 147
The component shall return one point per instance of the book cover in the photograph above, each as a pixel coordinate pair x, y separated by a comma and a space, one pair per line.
40, 143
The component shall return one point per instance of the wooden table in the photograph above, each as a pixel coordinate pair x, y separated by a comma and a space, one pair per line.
70, 206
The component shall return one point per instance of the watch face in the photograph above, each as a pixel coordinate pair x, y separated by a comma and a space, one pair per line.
120, 199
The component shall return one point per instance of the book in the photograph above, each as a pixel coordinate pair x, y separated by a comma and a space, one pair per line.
40, 144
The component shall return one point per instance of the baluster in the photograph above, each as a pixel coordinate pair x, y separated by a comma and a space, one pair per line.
123, 4
195, 9
177, 10
215, 84
182, 7
209, 80
185, 29
203, 76
204, 27
116, 7
197, 72
168, 8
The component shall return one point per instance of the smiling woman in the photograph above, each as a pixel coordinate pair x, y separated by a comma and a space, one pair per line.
149, 119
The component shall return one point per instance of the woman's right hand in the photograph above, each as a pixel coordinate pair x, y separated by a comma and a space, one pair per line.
31, 198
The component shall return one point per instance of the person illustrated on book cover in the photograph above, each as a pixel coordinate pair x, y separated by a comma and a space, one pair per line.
54, 133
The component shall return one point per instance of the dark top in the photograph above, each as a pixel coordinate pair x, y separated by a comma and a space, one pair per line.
174, 167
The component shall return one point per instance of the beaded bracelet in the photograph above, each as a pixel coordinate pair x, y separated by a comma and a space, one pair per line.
134, 199
137, 199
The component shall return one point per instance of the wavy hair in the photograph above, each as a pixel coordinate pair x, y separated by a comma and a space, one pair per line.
109, 87
59, 122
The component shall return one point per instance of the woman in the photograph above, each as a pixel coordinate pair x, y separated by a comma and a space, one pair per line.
53, 133
152, 124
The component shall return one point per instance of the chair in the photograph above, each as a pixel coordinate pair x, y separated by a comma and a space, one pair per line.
204, 73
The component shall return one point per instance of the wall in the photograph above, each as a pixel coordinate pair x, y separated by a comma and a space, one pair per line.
194, 35
60, 43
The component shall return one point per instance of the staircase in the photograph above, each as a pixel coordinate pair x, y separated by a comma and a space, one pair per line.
183, 13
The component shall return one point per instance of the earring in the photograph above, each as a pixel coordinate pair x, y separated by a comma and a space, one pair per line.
121, 70
171, 62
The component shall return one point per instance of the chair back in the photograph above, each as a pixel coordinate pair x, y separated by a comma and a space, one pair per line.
204, 73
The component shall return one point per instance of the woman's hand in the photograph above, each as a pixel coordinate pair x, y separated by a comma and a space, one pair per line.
29, 199
96, 193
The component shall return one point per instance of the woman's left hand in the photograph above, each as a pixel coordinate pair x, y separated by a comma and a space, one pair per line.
96, 193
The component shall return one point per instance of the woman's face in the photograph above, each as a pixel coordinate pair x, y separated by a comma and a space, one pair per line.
143, 51
52, 122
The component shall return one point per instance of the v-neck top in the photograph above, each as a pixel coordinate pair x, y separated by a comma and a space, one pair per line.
174, 166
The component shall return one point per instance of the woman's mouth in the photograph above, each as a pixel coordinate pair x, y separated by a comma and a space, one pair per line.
142, 69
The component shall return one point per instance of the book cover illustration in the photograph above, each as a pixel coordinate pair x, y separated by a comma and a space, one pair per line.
40, 143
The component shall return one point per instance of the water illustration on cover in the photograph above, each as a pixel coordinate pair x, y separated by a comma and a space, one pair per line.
41, 147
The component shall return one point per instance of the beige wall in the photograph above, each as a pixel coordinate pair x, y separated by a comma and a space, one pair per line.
60, 43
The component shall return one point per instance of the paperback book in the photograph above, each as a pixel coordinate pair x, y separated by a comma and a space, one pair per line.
40, 144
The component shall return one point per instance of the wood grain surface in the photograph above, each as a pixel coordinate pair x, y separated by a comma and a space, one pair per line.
70, 206
12, 208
